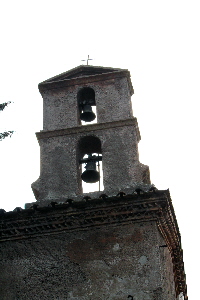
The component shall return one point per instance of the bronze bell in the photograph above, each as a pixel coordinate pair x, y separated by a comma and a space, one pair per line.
87, 115
90, 175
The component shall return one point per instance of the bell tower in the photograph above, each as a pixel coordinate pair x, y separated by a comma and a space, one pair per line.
122, 242
69, 139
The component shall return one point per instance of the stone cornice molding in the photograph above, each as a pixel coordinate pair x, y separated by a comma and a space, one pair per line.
57, 82
89, 128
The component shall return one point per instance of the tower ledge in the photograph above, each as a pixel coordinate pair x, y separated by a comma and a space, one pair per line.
91, 127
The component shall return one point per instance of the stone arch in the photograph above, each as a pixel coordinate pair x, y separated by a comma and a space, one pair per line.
89, 144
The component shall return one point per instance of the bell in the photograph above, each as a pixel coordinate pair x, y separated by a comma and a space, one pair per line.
90, 175
87, 115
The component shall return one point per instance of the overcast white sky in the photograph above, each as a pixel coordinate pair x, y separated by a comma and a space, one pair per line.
158, 41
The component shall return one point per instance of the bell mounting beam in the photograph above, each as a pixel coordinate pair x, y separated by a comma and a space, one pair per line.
90, 158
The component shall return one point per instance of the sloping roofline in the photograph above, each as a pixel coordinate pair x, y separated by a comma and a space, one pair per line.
82, 72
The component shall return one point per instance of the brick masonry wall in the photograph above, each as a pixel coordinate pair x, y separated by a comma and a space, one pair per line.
112, 96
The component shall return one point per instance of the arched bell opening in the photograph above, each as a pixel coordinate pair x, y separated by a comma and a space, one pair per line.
90, 164
87, 106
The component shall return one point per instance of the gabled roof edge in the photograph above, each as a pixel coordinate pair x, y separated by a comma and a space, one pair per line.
81, 68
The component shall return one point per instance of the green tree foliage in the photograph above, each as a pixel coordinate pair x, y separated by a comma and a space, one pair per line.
6, 133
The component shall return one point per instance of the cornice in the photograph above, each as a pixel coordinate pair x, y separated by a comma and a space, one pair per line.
54, 84
90, 128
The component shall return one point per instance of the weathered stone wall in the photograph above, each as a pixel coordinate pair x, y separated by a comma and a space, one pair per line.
106, 262
167, 272
60, 175
112, 96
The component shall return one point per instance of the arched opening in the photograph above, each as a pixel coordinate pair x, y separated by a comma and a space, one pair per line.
87, 106
90, 164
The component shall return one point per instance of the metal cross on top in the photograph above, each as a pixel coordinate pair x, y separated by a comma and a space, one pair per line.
87, 59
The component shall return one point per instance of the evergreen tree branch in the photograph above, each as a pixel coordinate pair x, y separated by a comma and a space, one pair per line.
3, 105
3, 135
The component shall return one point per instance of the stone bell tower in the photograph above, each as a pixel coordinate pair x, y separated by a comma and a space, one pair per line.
64, 140
122, 242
